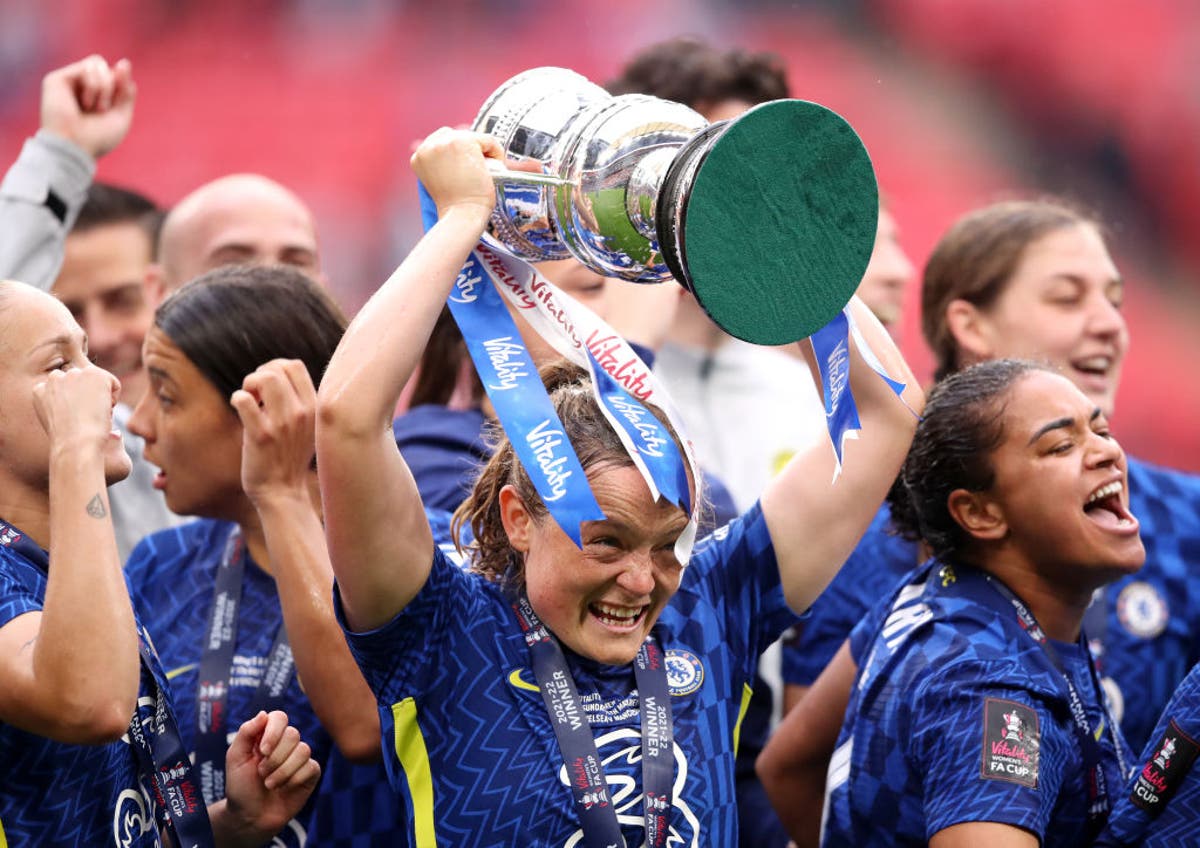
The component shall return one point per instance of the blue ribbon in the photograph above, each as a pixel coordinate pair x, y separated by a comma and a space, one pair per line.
831, 345
517, 393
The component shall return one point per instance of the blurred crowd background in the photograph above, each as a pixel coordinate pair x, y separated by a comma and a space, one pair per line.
960, 102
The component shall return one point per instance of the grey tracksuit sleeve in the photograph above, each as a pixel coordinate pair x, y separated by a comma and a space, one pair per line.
31, 234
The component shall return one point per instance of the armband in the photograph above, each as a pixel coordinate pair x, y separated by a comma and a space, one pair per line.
56, 205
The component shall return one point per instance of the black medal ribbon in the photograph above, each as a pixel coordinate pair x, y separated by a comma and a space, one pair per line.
163, 759
589, 785
1099, 802
157, 745
216, 669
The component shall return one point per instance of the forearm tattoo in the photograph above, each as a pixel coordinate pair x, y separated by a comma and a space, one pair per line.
95, 507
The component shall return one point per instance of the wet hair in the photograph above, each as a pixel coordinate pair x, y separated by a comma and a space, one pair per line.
962, 424
236, 318
595, 442
107, 205
977, 257
693, 72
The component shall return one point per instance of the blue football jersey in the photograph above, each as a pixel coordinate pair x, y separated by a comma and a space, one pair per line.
1160, 806
958, 716
1146, 639
1150, 638
467, 739
878, 562
172, 575
356, 806
53, 793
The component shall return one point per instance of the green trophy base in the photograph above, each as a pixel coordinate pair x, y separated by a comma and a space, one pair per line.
780, 222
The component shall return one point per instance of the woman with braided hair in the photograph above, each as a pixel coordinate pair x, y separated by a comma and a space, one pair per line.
976, 714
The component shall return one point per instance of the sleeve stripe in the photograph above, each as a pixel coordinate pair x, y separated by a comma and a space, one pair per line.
414, 759
747, 692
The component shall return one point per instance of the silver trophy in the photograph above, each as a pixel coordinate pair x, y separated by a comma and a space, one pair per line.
768, 219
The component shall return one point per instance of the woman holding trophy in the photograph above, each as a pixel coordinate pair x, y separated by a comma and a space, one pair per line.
625, 728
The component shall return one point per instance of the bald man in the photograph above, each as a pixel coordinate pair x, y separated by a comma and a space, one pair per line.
237, 219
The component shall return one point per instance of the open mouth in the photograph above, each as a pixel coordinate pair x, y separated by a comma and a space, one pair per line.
1099, 365
618, 617
1095, 369
1104, 507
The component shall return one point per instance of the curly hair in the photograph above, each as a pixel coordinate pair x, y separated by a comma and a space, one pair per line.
962, 424
596, 444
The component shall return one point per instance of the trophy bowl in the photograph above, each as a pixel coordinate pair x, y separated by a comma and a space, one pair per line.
768, 219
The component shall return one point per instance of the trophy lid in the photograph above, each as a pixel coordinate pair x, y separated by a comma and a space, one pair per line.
780, 222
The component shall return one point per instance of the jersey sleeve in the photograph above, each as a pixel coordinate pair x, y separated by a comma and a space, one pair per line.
15, 598
396, 658
1160, 805
736, 567
987, 750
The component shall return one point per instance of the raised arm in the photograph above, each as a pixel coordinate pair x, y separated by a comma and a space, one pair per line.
793, 765
70, 672
86, 110
379, 541
815, 521
277, 406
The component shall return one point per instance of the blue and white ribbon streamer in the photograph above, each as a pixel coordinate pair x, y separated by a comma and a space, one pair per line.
511, 379
620, 380
831, 345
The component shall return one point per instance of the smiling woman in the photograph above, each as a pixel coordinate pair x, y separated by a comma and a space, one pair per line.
1028, 279
552, 693
975, 713
1034, 279
594, 605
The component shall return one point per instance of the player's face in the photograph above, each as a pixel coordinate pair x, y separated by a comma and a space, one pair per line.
192, 434
602, 601
1061, 483
39, 336
102, 282
1062, 304
888, 274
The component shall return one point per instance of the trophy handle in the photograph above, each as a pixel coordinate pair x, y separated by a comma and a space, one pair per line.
501, 174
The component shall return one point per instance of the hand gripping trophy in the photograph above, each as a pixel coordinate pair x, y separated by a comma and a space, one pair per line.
768, 219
